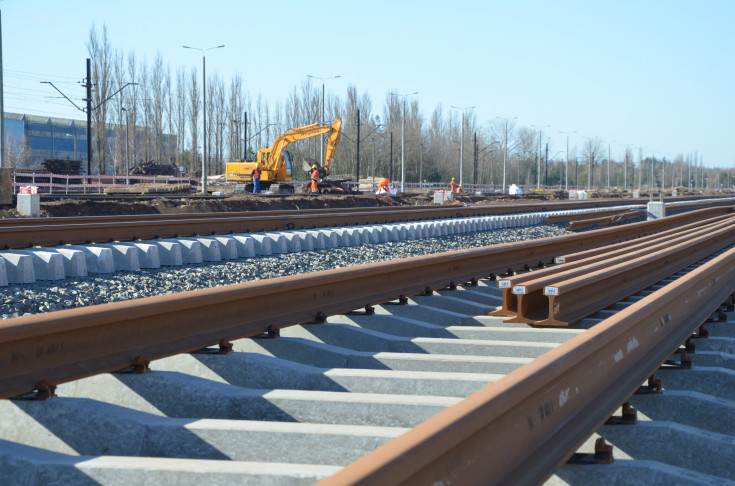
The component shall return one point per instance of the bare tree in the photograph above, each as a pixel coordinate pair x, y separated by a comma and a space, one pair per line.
180, 115
592, 151
17, 152
100, 53
193, 111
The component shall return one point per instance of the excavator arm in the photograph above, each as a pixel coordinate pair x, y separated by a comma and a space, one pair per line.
276, 156
332, 144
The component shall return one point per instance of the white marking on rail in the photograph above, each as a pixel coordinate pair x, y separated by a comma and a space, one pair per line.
563, 397
632, 344
551, 290
519, 289
618, 356
503, 284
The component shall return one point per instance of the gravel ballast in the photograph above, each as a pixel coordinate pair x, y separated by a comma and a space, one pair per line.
47, 296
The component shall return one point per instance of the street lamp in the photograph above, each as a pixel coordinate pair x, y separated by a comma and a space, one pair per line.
461, 140
321, 138
204, 109
538, 155
566, 183
403, 138
505, 145
127, 144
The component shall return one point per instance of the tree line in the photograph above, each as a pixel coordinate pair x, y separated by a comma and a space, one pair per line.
161, 101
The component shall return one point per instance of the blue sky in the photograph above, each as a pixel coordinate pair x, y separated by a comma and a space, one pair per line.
656, 75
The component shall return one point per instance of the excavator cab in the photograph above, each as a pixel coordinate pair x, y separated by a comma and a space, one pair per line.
288, 158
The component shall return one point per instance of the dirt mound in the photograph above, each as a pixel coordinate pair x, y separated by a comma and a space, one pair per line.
242, 202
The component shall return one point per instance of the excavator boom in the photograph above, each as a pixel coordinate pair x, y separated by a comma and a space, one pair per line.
275, 163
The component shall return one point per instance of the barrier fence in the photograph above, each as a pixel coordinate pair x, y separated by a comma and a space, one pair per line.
49, 183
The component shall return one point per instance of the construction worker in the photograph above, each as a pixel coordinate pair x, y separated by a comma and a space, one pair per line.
384, 185
255, 175
314, 179
453, 184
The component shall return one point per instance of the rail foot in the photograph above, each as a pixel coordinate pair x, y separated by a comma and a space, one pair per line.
369, 310
273, 332
690, 346
45, 390
703, 332
653, 387
685, 362
402, 300
225, 346
140, 365
629, 416
603, 455
474, 282
320, 318
428, 291
452, 286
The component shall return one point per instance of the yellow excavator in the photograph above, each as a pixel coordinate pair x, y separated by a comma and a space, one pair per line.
276, 164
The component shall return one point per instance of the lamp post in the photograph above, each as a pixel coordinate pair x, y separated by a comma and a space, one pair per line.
421, 165
403, 138
505, 145
461, 141
538, 155
127, 144
204, 110
321, 138
566, 184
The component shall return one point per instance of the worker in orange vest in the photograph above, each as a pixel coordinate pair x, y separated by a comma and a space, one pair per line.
454, 186
384, 185
255, 175
314, 179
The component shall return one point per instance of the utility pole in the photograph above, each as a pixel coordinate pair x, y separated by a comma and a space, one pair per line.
475, 163
2, 103
357, 170
88, 85
546, 166
391, 157
245, 134
461, 141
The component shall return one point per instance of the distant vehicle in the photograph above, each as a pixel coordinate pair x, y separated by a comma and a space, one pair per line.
276, 163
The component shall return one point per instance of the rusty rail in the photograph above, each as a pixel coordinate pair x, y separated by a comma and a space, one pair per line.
60, 231
522, 428
605, 220
523, 295
70, 344
673, 232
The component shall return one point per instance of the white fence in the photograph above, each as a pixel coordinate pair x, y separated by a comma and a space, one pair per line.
49, 183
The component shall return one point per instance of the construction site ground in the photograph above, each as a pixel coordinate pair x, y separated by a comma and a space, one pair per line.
172, 204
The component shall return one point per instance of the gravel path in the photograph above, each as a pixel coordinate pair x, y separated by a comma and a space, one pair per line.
46, 296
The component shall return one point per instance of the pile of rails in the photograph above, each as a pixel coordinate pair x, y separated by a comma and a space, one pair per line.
152, 168
63, 166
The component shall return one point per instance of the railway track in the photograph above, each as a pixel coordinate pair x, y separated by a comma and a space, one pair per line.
49, 232
254, 383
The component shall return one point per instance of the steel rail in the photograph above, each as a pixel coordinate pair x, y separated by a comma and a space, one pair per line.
523, 294
447, 211
673, 232
587, 219
15, 237
71, 344
440, 211
577, 297
214, 215
604, 221
526, 425
562, 218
